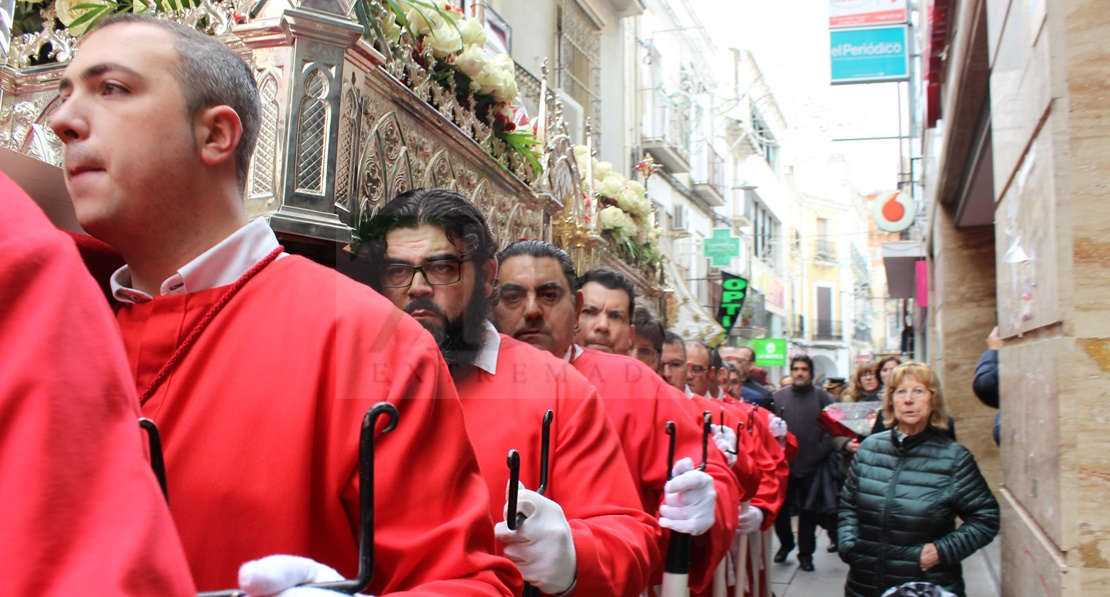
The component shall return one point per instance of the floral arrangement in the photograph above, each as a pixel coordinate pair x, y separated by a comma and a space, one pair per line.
452, 47
625, 216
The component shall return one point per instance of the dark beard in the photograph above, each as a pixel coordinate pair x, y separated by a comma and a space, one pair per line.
459, 339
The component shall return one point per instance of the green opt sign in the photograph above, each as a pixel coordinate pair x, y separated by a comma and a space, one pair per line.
734, 290
869, 55
770, 352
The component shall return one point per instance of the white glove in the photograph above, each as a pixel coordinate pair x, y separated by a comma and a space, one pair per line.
751, 519
689, 500
776, 426
279, 575
725, 438
541, 547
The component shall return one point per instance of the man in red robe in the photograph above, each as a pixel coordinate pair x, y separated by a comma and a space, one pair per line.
538, 303
432, 254
258, 366
82, 510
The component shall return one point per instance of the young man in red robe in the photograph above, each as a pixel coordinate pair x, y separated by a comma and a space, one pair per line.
259, 366
82, 511
432, 254
539, 303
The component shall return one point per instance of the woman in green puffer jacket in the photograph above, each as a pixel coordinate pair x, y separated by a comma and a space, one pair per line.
899, 504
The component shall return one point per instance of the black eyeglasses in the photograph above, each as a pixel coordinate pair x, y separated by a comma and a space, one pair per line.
436, 273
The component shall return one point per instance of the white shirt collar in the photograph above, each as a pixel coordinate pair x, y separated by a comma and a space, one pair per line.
491, 345
689, 394
572, 353
221, 265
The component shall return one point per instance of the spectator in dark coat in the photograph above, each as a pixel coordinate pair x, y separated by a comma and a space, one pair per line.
903, 494
985, 383
800, 405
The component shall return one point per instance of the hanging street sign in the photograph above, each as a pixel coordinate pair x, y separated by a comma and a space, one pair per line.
721, 247
856, 13
894, 211
869, 55
770, 352
734, 291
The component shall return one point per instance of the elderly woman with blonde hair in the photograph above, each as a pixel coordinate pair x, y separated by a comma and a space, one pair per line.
898, 508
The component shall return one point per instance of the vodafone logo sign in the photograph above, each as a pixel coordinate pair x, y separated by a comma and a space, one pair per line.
893, 211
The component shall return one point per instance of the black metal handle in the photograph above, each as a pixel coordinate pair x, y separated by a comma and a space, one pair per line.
706, 431
670, 449
678, 546
512, 519
545, 449
157, 463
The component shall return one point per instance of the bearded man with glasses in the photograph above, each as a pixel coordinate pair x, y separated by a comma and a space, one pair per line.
433, 256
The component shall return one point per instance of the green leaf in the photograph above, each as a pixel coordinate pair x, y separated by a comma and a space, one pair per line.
369, 23
398, 13
95, 11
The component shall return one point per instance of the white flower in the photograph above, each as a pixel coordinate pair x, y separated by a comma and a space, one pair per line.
472, 32
507, 92
602, 170
68, 14
498, 79
636, 187
633, 203
489, 78
445, 40
391, 29
417, 23
614, 218
472, 60
611, 186
580, 159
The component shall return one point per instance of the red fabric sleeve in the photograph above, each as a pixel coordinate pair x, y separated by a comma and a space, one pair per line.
766, 454
791, 447
83, 513
640, 403
434, 533
770, 501
708, 549
613, 537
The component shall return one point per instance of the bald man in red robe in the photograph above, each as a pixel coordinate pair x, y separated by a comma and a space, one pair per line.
538, 304
434, 257
259, 366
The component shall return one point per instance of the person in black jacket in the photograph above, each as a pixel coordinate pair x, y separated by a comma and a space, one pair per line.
908, 485
985, 383
800, 405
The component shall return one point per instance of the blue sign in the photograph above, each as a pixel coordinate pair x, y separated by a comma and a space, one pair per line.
869, 55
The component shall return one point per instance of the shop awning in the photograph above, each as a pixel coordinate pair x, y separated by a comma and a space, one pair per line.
900, 259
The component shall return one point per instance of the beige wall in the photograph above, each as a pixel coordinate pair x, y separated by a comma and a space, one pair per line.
1050, 82
962, 305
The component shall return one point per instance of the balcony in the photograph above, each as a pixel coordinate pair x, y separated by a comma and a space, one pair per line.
817, 329
824, 252
709, 183
666, 132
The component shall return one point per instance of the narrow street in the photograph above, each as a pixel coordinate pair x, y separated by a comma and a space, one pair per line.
981, 572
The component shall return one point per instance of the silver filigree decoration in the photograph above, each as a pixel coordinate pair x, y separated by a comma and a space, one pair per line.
265, 153
312, 134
